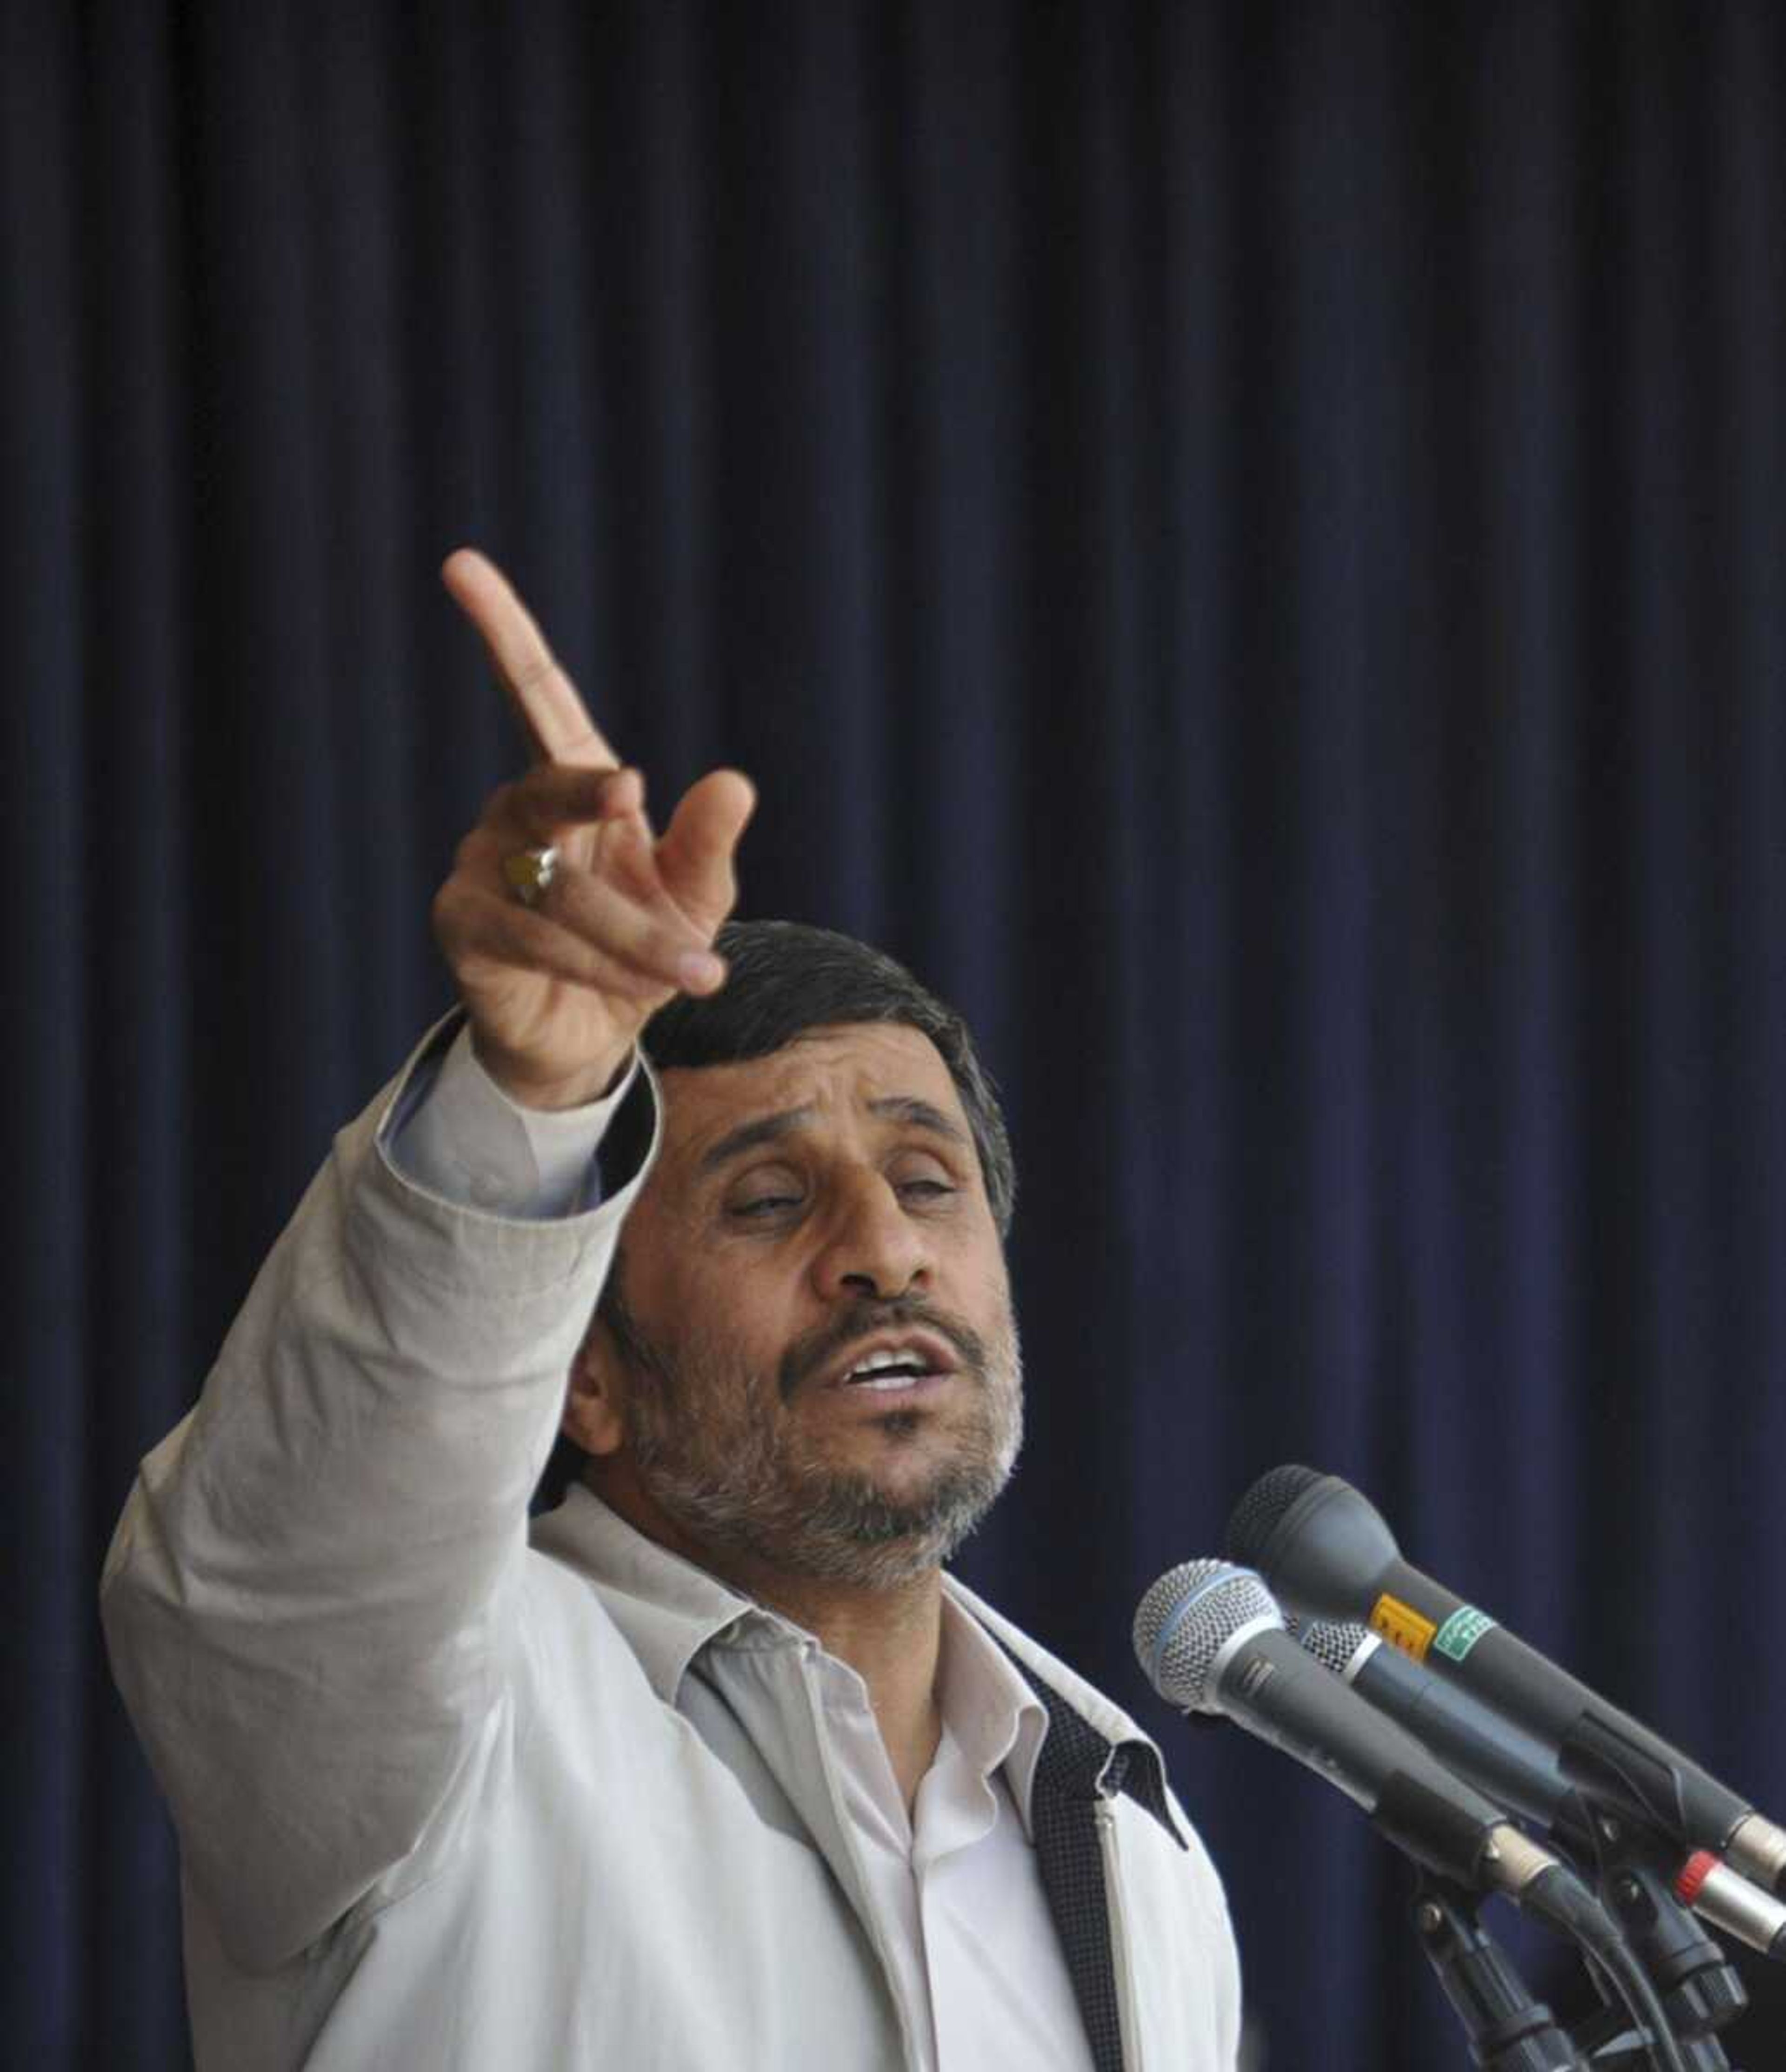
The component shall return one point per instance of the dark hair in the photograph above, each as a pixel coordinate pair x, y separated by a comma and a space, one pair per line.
786, 978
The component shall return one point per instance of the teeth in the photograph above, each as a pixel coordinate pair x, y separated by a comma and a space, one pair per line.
910, 1364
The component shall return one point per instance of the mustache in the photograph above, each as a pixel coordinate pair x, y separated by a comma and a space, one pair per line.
809, 1354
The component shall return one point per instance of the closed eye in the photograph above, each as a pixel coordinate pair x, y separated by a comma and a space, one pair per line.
766, 1205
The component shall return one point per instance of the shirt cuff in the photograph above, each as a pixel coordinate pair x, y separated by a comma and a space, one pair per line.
459, 1135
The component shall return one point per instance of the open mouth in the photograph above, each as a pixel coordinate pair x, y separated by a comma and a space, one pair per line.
891, 1366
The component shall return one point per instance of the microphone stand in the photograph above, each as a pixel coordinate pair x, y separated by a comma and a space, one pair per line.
1509, 2030
1700, 1990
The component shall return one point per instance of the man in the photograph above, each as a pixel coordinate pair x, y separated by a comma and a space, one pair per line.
719, 1770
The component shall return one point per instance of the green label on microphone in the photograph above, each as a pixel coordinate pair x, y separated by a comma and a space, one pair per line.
1461, 1631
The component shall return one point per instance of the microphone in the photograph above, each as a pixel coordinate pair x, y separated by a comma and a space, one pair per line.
1210, 1638
1323, 1546
1522, 1772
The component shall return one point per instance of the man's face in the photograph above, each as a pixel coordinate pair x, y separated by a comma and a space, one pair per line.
811, 1211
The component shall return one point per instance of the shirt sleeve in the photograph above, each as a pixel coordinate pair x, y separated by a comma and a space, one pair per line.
312, 1600
457, 1133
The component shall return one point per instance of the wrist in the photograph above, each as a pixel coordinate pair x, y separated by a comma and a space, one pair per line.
527, 1086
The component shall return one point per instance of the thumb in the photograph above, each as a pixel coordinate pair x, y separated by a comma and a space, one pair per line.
694, 856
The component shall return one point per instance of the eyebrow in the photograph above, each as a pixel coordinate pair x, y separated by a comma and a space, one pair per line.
920, 1114
771, 1129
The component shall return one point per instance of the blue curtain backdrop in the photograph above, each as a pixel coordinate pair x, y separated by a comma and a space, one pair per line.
1246, 542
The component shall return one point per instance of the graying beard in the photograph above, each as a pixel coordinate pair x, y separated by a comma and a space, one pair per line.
854, 1534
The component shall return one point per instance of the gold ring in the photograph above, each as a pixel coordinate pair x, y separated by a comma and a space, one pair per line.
529, 873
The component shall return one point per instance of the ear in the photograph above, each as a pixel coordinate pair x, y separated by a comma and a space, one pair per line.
594, 1404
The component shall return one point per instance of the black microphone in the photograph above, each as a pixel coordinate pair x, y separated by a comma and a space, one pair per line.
1521, 1772
1323, 1547
1210, 1638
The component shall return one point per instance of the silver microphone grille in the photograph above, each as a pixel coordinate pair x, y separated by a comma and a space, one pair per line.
1333, 1642
1185, 1620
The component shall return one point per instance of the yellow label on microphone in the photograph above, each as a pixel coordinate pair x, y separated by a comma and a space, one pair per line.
1402, 1626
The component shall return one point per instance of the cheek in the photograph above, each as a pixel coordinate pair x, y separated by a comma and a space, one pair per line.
748, 1314
992, 1281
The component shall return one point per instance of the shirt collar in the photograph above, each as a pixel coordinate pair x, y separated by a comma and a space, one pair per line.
666, 1608
996, 1719
1091, 1749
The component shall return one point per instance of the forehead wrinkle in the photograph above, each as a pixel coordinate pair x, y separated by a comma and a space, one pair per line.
765, 1129
752, 1135
821, 1072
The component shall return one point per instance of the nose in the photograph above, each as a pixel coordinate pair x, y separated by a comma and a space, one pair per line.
876, 1249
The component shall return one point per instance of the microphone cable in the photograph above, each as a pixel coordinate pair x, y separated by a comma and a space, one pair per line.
1636, 1991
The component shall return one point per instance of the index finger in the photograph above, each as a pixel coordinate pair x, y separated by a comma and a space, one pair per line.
545, 699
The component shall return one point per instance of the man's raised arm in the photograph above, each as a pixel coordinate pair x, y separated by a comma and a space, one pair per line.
311, 1598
